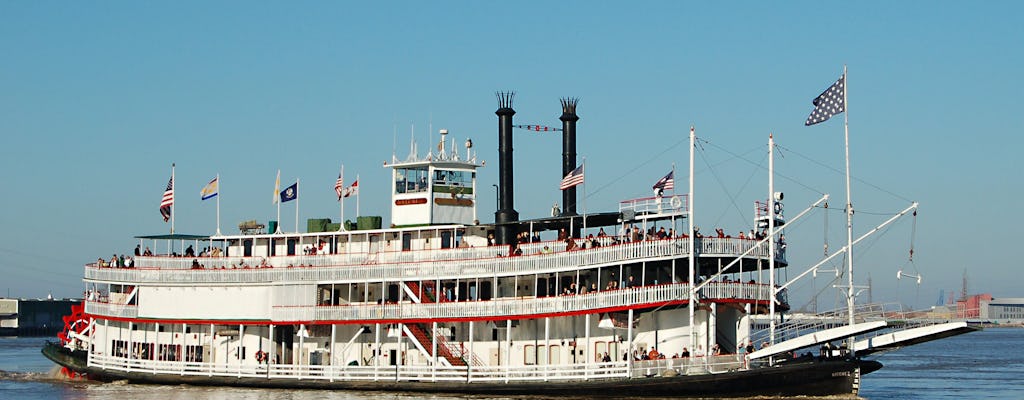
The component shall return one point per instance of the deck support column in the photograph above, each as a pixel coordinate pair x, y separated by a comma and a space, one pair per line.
334, 333
184, 347
241, 348
433, 349
508, 349
376, 351
213, 348
156, 340
273, 348
400, 353
131, 350
547, 345
586, 347
106, 338
469, 362
629, 344
712, 328
302, 342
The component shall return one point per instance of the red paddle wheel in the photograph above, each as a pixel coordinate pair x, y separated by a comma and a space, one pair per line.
76, 325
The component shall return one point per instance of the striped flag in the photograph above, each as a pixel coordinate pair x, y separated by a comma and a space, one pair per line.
574, 178
667, 182
211, 189
168, 200
351, 190
339, 187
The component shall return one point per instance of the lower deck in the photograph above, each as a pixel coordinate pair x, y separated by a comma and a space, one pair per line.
569, 347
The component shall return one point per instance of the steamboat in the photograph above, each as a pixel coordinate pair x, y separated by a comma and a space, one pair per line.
635, 301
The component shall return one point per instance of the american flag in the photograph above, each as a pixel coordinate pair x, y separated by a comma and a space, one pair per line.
168, 200
574, 178
351, 190
339, 187
668, 182
830, 102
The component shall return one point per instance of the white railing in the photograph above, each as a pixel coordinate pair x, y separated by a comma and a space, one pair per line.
689, 365
329, 267
111, 310
519, 306
424, 373
659, 204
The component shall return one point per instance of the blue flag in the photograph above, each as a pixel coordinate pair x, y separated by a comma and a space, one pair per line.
290, 193
829, 103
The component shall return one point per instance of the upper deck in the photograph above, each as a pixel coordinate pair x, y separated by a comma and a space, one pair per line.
451, 263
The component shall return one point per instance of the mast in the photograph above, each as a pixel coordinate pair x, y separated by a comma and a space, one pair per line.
693, 239
770, 204
341, 198
849, 208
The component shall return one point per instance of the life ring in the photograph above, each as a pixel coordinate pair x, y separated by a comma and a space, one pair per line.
676, 202
261, 356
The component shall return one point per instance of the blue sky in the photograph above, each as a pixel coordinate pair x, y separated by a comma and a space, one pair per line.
98, 99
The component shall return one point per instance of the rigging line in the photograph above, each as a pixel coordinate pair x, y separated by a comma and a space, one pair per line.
833, 169
814, 298
634, 169
913, 237
777, 174
721, 184
825, 234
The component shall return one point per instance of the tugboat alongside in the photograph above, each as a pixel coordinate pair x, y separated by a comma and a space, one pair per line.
630, 302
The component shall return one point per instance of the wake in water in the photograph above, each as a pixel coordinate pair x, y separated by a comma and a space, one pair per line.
55, 374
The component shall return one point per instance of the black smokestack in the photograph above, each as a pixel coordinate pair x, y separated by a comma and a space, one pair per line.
505, 232
569, 119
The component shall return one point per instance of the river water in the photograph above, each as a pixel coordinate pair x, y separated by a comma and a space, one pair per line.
979, 365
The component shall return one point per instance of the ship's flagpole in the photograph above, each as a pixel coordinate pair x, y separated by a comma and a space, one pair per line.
583, 165
849, 207
357, 197
173, 184
277, 200
296, 205
218, 204
673, 177
341, 201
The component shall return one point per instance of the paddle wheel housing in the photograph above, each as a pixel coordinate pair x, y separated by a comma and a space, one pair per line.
76, 328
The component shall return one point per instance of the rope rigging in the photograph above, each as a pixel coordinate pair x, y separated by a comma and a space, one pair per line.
910, 262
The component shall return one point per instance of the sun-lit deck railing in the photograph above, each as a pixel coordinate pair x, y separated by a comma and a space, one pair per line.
111, 310
519, 306
331, 268
426, 373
